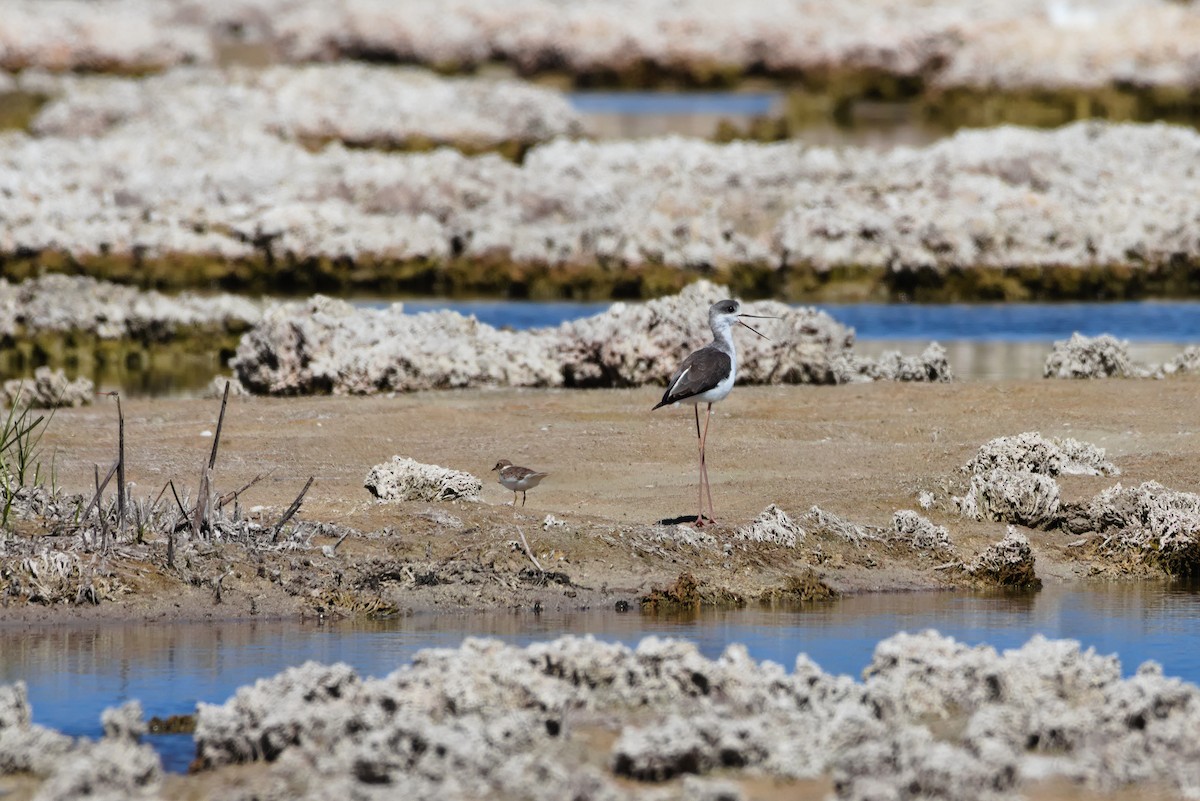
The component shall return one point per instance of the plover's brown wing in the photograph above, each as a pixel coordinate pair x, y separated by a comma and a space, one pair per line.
515, 473
701, 371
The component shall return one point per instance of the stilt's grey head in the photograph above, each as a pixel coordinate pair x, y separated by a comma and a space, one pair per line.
723, 314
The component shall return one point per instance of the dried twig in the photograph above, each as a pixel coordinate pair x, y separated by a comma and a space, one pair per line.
171, 532
212, 457
100, 485
529, 552
182, 509
120, 465
232, 496
291, 510
203, 501
216, 584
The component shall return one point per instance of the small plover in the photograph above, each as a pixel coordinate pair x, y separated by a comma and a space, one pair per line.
518, 479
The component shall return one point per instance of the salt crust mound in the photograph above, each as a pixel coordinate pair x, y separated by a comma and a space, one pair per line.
643, 343
1009, 562
1033, 453
1015, 496
1160, 524
931, 365
1105, 356
47, 389
1102, 356
113, 767
988, 198
772, 525
404, 479
352, 103
923, 534
1012, 482
326, 345
987, 44
489, 719
77, 304
1012, 478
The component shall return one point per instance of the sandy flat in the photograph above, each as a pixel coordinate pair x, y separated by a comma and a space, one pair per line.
617, 469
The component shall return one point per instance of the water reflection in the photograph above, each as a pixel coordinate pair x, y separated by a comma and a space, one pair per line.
981, 360
706, 115
74, 673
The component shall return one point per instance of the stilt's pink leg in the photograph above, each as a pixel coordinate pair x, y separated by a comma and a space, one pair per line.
700, 490
712, 514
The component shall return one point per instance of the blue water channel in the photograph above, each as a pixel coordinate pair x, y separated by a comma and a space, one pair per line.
73, 673
1147, 321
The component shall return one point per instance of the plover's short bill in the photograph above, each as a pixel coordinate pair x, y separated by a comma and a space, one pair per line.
518, 479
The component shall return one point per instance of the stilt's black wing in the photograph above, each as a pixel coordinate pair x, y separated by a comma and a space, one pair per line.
700, 372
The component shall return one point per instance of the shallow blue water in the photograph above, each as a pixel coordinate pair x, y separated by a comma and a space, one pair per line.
664, 103
74, 673
1148, 321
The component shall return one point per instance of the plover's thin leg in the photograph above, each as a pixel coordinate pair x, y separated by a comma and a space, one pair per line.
522, 498
514, 499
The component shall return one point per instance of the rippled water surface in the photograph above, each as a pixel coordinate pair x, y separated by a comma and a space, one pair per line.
73, 673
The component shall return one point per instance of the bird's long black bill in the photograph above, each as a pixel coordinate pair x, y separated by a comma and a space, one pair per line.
757, 317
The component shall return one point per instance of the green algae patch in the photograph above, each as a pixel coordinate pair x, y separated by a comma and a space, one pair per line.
684, 593
687, 593
284, 274
172, 724
803, 587
978, 107
17, 109
513, 150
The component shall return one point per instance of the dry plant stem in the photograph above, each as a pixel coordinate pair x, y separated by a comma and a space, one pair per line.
120, 466
291, 510
529, 552
212, 457
233, 496
171, 533
217, 582
182, 509
100, 485
203, 501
